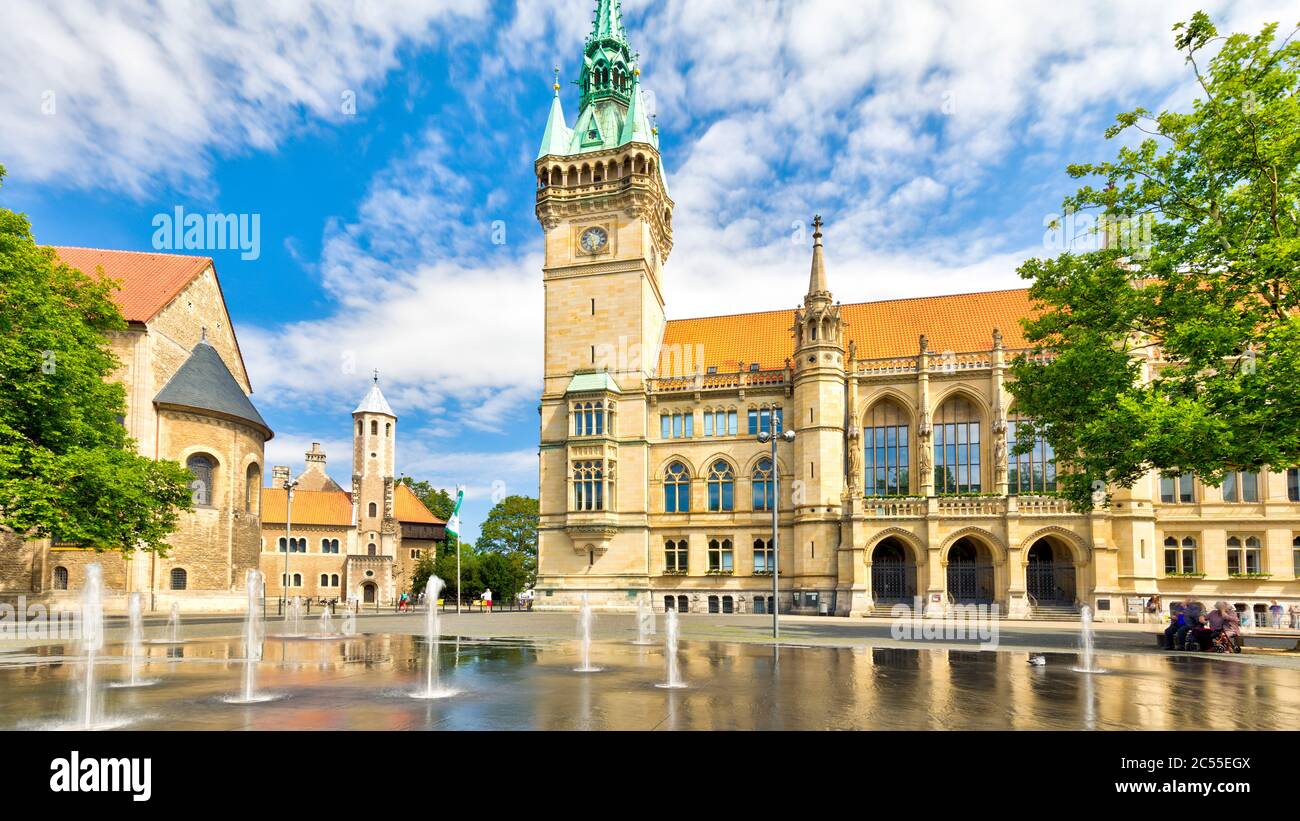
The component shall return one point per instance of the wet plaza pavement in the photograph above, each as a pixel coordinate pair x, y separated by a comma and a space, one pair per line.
365, 683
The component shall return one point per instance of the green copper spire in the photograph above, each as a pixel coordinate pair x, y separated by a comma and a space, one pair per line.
558, 136
636, 127
608, 23
612, 110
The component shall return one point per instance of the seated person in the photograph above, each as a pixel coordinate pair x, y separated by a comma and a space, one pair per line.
1179, 624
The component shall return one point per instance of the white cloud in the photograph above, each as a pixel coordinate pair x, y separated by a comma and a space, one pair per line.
146, 93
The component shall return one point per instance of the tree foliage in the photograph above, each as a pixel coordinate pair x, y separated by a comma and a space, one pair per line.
1181, 354
67, 467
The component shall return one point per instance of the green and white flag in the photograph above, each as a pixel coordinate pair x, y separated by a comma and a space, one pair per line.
453, 524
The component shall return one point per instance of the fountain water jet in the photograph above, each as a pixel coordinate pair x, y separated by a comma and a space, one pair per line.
585, 618
293, 617
173, 634
134, 643
92, 641
254, 636
645, 622
674, 676
1086, 643
432, 633
349, 620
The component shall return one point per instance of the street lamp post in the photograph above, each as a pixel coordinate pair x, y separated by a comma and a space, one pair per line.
289, 485
773, 438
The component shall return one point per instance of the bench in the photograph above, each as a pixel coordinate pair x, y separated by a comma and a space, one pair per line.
1273, 639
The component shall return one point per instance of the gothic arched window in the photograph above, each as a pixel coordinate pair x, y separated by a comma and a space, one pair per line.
589, 485
677, 489
764, 487
1033, 472
957, 447
887, 448
722, 487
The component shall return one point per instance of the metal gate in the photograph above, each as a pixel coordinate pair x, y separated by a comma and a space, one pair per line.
892, 581
1050, 581
970, 582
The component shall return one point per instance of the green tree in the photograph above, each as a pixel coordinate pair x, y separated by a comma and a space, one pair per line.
1211, 294
67, 468
510, 529
506, 575
470, 580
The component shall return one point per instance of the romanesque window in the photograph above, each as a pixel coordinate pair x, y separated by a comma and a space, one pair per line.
764, 560
324, 580
201, 467
677, 489
252, 488
297, 580
179, 579
722, 487
388, 430
1180, 556
1295, 557
1293, 485
373, 509
294, 545
329, 545
374, 428
334, 580
61, 578
1179, 489
887, 448
1032, 472
676, 554
721, 556
1245, 555
1241, 486
371, 550
957, 447
763, 484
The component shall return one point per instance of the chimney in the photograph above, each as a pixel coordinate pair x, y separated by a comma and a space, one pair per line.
315, 458
279, 475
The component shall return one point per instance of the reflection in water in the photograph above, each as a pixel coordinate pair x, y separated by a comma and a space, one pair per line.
520, 684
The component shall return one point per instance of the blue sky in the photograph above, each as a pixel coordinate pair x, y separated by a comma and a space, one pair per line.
932, 136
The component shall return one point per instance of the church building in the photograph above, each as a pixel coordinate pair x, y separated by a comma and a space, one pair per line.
900, 484
187, 400
359, 545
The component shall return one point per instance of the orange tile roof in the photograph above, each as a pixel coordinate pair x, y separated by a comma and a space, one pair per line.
408, 508
149, 281
962, 322
310, 507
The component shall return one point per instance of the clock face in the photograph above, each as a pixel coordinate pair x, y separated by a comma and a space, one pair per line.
594, 240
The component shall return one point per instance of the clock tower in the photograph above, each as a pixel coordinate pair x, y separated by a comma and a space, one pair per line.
602, 200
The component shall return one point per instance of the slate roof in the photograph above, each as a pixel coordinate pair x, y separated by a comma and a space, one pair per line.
204, 383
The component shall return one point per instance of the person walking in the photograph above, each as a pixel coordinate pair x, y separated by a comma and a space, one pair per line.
487, 599
1275, 614
1295, 616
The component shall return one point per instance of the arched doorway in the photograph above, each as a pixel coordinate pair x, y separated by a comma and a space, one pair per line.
1049, 575
893, 573
369, 593
970, 572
